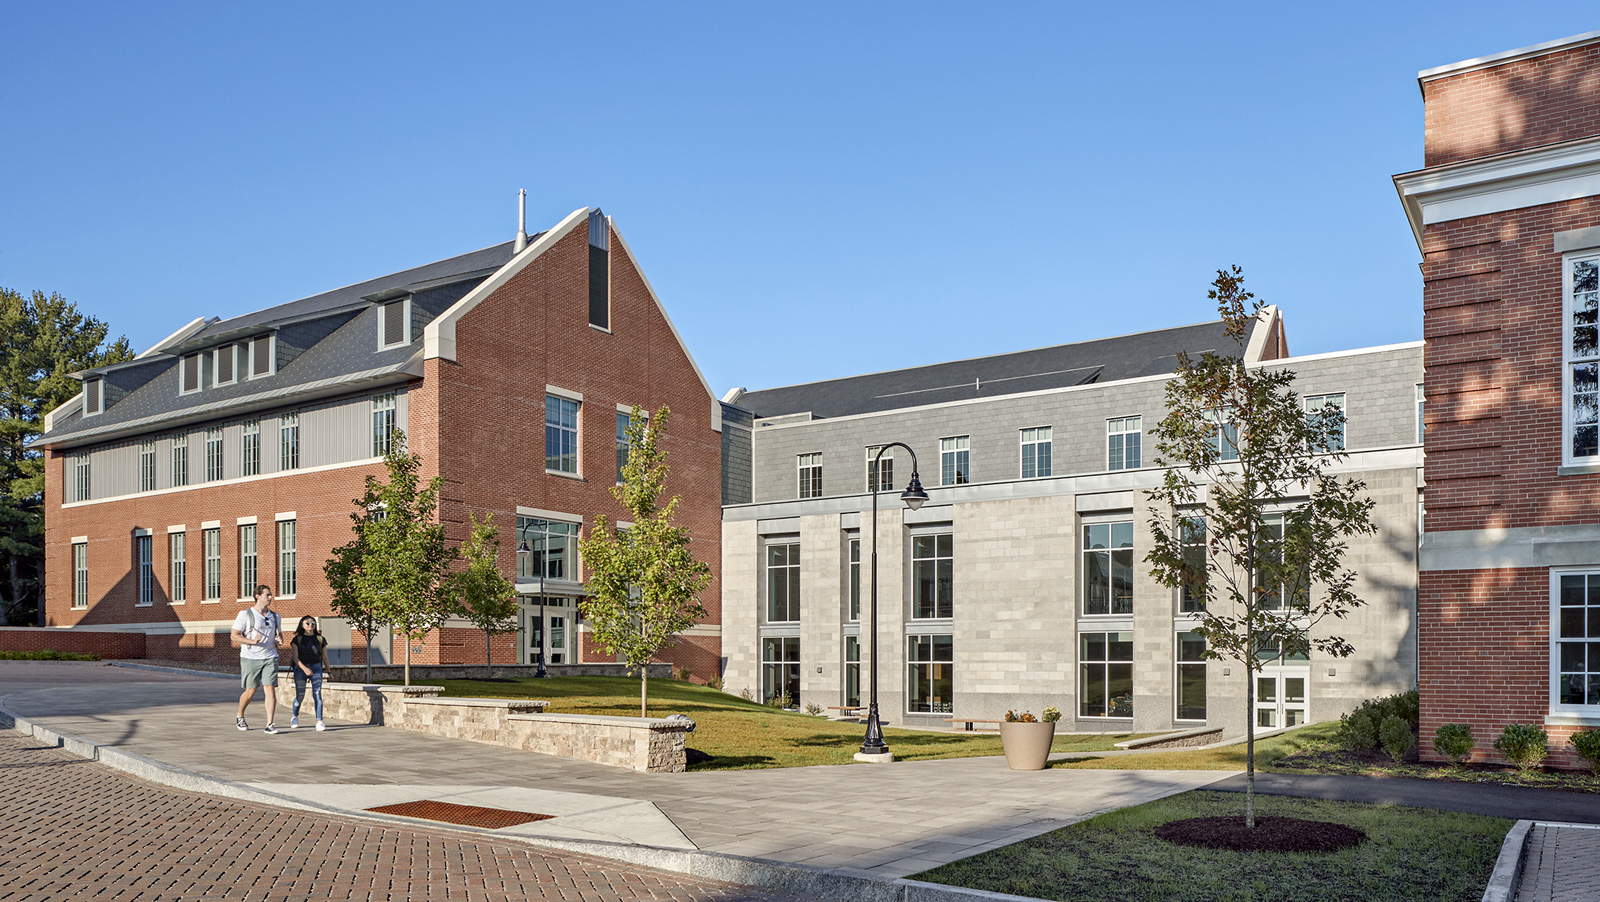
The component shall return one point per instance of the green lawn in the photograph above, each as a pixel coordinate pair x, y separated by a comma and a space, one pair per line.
739, 734
1268, 753
1410, 853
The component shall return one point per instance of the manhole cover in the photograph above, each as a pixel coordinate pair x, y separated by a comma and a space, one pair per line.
466, 815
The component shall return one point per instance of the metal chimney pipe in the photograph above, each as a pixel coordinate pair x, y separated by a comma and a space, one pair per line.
522, 221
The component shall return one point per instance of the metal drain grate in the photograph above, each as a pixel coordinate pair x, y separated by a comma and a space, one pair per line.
466, 815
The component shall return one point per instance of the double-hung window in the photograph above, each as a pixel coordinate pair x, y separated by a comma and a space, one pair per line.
1105, 675
383, 409
178, 591
142, 563
1124, 437
288, 577
783, 582
954, 460
1575, 642
809, 470
147, 466
180, 459
80, 574
880, 470
213, 454
289, 441
1581, 346
1225, 437
560, 434
1108, 568
247, 560
250, 448
1036, 452
933, 576
81, 484
1325, 416
211, 548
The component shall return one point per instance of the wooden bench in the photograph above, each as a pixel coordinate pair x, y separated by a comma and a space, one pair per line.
849, 710
970, 721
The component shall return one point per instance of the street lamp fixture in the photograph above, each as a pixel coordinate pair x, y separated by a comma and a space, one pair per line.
873, 748
525, 554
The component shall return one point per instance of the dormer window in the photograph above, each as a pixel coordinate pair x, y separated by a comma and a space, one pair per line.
394, 324
189, 377
223, 365
93, 397
263, 356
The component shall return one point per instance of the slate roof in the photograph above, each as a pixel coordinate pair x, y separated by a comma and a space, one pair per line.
337, 328
1102, 360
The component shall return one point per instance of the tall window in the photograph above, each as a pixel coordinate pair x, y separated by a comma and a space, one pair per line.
783, 583
550, 542
1225, 438
178, 591
180, 459
780, 669
1192, 540
1270, 549
80, 476
289, 441
1191, 677
213, 454
288, 578
560, 434
1124, 436
247, 561
880, 475
1582, 348
1036, 452
250, 448
1108, 568
1105, 675
623, 421
932, 576
382, 423
1577, 640
141, 561
211, 545
954, 468
852, 670
855, 579
930, 684
809, 467
1419, 413
1326, 414
147, 466
80, 574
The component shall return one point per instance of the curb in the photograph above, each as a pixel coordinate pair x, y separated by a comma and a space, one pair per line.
180, 670
1508, 867
822, 883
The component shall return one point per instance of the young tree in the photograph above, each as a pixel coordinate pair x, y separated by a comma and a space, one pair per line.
42, 340
341, 570
644, 583
403, 577
486, 597
1249, 520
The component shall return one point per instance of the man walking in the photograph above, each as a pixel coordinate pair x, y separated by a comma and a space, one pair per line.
257, 633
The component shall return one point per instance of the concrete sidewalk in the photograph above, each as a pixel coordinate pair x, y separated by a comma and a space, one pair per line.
873, 821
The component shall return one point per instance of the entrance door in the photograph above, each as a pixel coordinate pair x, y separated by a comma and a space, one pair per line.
1281, 698
553, 630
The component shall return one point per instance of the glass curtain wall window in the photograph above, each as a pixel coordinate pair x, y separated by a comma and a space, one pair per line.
783, 583
250, 460
1191, 677
141, 556
1106, 675
1419, 413
930, 682
81, 483
1225, 441
880, 476
178, 592
780, 669
1277, 595
560, 434
932, 576
287, 576
211, 542
180, 459
289, 442
383, 423
1124, 438
214, 454
1108, 568
1036, 452
147, 466
247, 561
808, 468
1192, 539
1577, 640
1322, 409
1582, 348
80, 574
855, 580
549, 543
954, 460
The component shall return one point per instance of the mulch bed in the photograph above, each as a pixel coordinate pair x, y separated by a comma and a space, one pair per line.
1271, 834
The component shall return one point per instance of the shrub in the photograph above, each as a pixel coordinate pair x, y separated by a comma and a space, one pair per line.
1051, 714
714, 683
1024, 717
48, 654
1524, 745
1395, 734
1358, 730
1587, 742
781, 701
813, 709
1454, 741
746, 695
683, 674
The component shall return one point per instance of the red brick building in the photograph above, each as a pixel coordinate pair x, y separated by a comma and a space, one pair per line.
230, 453
1506, 213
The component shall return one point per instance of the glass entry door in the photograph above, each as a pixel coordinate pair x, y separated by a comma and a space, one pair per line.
1281, 697
552, 630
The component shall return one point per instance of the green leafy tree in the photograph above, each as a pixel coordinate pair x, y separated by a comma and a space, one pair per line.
403, 576
341, 570
644, 582
43, 339
1250, 482
486, 597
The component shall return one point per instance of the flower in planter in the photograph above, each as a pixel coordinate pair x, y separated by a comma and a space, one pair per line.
1024, 717
1051, 714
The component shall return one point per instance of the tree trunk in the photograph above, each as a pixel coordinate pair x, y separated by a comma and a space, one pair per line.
1250, 748
488, 654
408, 659
368, 637
644, 683
16, 591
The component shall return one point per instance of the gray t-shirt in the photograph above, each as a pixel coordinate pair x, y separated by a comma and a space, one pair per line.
260, 633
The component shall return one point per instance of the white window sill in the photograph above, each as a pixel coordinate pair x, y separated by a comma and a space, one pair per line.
143, 604
211, 601
290, 597
600, 328
1573, 720
174, 604
1586, 469
564, 475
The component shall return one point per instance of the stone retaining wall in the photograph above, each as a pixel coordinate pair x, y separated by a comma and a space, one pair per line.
642, 744
1181, 740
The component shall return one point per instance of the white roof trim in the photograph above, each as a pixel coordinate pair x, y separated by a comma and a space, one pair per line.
183, 332
439, 336
1500, 59
67, 407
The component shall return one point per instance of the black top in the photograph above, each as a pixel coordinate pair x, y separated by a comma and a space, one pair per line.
309, 648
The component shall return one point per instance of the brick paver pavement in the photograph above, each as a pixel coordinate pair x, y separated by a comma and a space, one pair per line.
74, 829
1563, 864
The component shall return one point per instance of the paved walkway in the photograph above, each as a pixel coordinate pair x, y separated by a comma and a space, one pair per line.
877, 821
1562, 865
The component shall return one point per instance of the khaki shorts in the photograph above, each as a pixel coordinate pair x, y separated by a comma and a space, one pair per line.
257, 672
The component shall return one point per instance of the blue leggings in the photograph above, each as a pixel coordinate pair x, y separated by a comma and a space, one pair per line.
300, 688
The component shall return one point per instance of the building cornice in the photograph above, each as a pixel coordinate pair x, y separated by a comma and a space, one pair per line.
1509, 56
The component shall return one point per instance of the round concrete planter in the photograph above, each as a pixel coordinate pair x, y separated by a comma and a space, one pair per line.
1027, 745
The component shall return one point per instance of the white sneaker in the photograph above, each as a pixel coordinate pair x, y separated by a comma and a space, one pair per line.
294, 723
320, 726
270, 729
239, 722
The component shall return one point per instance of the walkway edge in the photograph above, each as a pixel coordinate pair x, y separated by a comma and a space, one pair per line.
181, 670
1508, 867
822, 883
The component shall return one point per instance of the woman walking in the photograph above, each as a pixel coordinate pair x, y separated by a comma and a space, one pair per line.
306, 654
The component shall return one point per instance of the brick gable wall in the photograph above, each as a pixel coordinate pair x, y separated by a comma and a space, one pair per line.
1514, 106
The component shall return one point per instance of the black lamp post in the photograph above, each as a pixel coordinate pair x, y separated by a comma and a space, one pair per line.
873, 746
524, 553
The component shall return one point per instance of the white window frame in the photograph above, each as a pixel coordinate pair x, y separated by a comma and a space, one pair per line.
1178, 663
177, 566
1344, 409
1220, 420
211, 565
1122, 423
1042, 436
143, 554
99, 396
194, 360
884, 465
405, 313
959, 445
1420, 399
808, 475
272, 356
1569, 360
577, 434
147, 465
289, 441
82, 477
233, 364
249, 560
1554, 627
250, 451
288, 549
385, 420
180, 450
214, 440
80, 575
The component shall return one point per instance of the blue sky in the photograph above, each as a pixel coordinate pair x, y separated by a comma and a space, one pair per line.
815, 190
